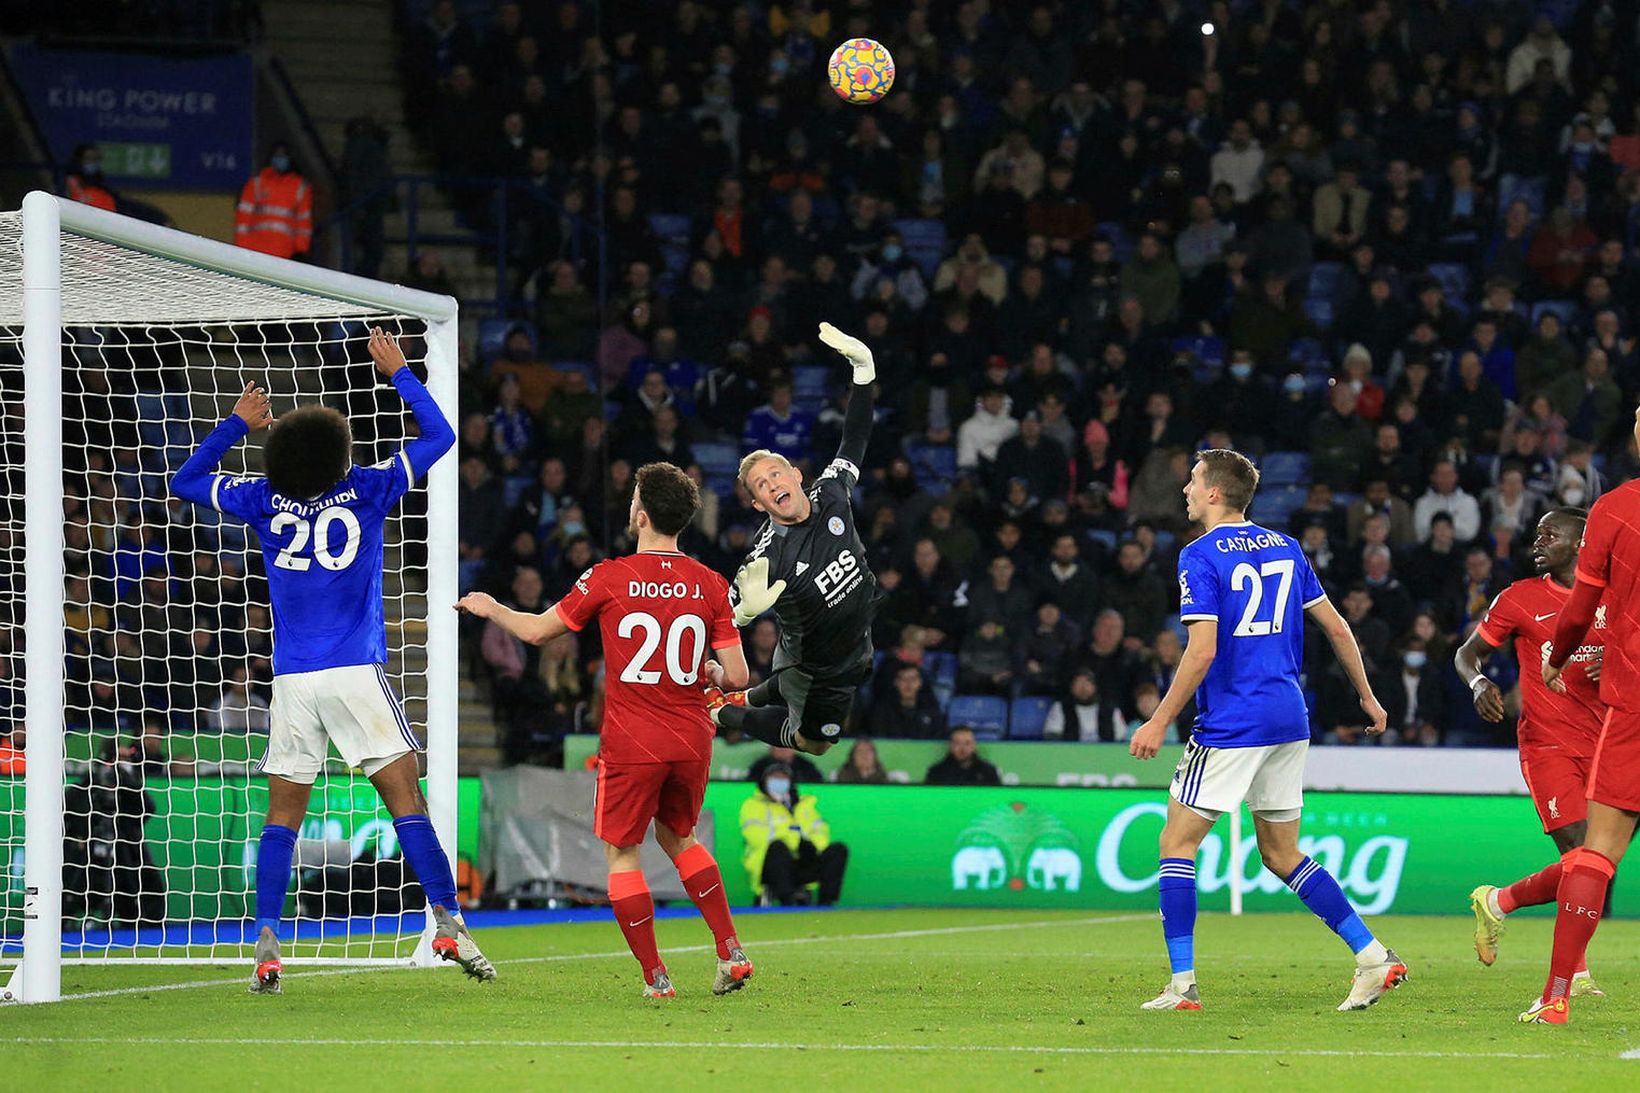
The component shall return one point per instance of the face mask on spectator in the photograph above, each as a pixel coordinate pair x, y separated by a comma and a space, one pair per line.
572, 528
892, 252
1573, 497
1242, 369
1416, 659
91, 168
1293, 385
280, 163
778, 787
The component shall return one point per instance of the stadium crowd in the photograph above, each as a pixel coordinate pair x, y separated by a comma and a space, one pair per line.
1387, 251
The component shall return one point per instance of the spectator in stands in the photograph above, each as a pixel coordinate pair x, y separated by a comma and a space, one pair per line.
1378, 500
239, 710
1080, 715
275, 211
862, 767
481, 511
788, 844
1445, 495
1137, 592
906, 710
1589, 399
1560, 252
962, 765
88, 185
1340, 440
14, 750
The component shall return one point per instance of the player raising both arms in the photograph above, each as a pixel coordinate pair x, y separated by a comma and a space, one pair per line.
1558, 730
319, 519
659, 612
1244, 591
1608, 585
821, 590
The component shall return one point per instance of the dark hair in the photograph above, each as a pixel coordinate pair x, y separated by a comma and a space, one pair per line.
308, 451
1233, 474
1567, 512
668, 495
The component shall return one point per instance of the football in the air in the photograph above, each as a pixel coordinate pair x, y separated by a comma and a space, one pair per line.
861, 71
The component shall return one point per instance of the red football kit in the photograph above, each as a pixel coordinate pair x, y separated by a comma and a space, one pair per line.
1608, 566
660, 614
1558, 732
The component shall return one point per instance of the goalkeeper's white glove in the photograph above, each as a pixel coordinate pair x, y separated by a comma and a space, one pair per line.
859, 356
756, 594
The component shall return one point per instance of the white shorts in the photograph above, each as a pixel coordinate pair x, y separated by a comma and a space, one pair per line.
1270, 778
353, 707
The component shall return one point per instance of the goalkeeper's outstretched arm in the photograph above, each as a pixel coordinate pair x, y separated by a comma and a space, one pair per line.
193, 480
862, 398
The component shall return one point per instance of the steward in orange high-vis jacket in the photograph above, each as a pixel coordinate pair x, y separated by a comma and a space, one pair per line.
275, 214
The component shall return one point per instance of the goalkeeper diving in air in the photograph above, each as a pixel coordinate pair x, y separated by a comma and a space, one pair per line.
809, 564
319, 519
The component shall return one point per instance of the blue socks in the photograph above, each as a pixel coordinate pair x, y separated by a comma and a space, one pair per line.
427, 859
273, 855
1178, 898
1321, 894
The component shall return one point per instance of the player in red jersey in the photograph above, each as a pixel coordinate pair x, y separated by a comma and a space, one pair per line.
659, 612
1607, 589
1558, 730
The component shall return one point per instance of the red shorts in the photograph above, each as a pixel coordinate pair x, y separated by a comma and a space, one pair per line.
632, 794
1558, 783
1614, 774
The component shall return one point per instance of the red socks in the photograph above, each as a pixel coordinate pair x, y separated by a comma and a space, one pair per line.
703, 882
635, 915
1585, 876
1539, 888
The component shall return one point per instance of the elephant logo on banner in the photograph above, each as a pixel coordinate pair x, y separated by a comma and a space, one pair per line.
1054, 869
978, 867
1014, 847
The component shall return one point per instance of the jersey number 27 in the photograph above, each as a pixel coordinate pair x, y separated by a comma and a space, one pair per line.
1245, 576
291, 557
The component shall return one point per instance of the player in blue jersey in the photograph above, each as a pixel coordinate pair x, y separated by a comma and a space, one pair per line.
319, 519
1243, 592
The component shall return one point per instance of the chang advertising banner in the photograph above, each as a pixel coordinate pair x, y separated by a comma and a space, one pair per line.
1096, 849
180, 122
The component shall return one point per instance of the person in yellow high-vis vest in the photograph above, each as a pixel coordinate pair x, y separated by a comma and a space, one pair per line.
789, 844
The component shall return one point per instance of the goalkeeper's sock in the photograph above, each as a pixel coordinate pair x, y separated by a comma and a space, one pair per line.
1321, 894
765, 723
428, 861
1581, 896
699, 872
273, 857
634, 911
1531, 891
1178, 899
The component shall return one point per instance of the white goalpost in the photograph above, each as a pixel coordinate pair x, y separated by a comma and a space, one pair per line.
135, 638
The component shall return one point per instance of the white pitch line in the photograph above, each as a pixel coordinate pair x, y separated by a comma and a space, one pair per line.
892, 935
742, 1045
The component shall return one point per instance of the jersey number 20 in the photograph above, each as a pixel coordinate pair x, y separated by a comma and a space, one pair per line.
637, 669
319, 531
1245, 576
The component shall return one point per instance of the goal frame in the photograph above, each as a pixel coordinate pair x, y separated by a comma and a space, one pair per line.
46, 218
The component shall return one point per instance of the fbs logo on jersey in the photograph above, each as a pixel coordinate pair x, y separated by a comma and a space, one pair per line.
835, 525
1184, 590
1014, 847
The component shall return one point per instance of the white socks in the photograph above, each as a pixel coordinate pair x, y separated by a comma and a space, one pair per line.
1183, 981
1492, 903
1374, 953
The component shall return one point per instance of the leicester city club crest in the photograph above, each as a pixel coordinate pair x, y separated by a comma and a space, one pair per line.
835, 525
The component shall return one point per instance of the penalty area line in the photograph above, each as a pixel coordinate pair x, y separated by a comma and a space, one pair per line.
742, 1045
556, 958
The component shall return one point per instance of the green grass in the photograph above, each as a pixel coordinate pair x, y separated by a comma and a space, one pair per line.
958, 1000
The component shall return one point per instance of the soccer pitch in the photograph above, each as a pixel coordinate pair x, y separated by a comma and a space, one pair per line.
855, 999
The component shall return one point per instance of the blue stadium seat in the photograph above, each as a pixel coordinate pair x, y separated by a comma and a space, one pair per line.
513, 487
1566, 309
492, 337
1307, 351
811, 381
985, 714
1027, 716
1284, 469
941, 668
1106, 539
1272, 508
1532, 190
1325, 280
670, 227
1208, 350
590, 371
934, 465
920, 232
1113, 231
1319, 312
716, 458
1453, 278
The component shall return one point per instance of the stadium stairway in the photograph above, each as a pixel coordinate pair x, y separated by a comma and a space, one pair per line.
344, 61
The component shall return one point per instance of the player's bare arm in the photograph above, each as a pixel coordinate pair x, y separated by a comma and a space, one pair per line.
385, 351
537, 629
1342, 640
1199, 651
1467, 660
729, 671
253, 407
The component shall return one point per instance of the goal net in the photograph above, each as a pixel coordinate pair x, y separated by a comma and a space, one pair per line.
138, 651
